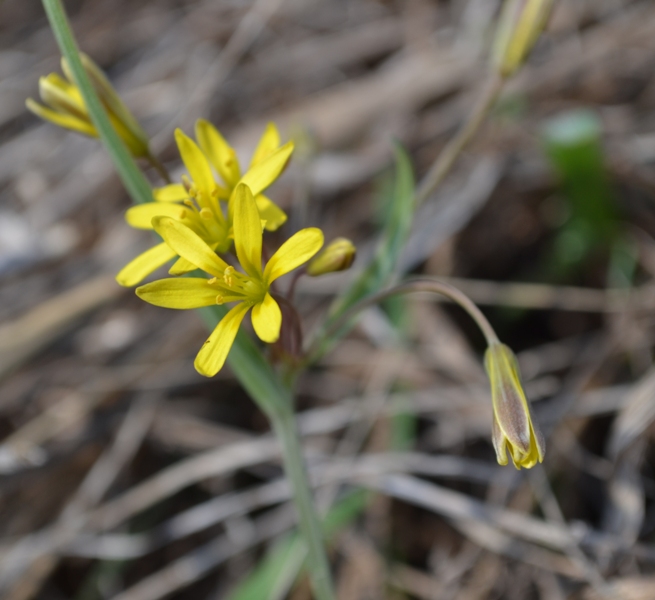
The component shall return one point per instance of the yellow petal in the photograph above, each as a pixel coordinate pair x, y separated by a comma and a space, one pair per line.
60, 119
141, 216
195, 162
270, 212
221, 155
62, 96
175, 192
268, 143
186, 292
212, 355
247, 231
260, 176
267, 319
297, 250
181, 266
144, 264
189, 245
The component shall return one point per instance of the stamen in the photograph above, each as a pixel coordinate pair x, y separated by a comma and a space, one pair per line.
227, 276
219, 299
212, 281
186, 183
206, 214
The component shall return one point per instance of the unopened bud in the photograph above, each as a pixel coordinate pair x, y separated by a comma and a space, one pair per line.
520, 24
64, 106
336, 256
512, 423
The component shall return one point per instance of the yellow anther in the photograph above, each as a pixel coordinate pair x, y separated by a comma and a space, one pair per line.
212, 281
219, 299
188, 202
183, 214
227, 275
206, 214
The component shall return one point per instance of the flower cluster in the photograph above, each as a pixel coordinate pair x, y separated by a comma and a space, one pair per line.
250, 288
215, 214
216, 210
202, 203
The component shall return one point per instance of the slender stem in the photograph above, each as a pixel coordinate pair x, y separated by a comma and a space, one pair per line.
133, 179
294, 281
444, 162
433, 286
159, 167
284, 424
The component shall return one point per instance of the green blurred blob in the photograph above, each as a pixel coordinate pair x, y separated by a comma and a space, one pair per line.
572, 143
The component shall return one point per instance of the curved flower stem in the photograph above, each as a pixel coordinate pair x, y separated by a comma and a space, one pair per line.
433, 286
444, 162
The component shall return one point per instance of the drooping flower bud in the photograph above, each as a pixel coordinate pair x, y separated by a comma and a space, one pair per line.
64, 106
512, 422
520, 24
336, 256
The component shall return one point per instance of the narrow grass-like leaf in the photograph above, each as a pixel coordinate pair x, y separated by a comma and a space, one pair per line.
397, 224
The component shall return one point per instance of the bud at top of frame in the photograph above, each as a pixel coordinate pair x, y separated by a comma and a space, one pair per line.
338, 255
520, 24
512, 422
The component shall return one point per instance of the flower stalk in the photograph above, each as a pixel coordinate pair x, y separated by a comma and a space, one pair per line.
512, 425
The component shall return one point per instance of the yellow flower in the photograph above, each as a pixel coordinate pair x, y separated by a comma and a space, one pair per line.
338, 255
197, 201
250, 288
65, 107
512, 423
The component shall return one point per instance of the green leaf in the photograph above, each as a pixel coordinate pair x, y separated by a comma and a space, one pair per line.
573, 144
396, 226
282, 561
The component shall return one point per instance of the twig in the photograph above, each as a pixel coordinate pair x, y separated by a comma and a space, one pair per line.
447, 157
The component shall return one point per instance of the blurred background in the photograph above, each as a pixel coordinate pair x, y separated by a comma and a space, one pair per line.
124, 474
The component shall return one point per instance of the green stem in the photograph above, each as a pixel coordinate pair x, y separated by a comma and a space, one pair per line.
412, 286
133, 179
284, 424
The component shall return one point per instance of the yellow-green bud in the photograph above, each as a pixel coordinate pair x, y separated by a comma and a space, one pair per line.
520, 24
338, 255
64, 106
512, 424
